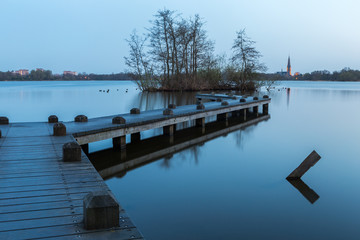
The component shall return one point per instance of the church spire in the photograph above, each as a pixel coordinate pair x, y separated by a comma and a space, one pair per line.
288, 69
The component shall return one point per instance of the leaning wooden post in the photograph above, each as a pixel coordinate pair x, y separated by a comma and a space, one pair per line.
310, 161
100, 210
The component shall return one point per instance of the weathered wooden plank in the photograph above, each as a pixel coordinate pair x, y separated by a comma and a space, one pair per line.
50, 192
23, 188
53, 222
309, 161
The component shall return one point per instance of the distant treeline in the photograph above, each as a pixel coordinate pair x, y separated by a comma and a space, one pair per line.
47, 75
345, 74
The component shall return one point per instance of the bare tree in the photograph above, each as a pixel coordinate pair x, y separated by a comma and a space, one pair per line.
245, 57
139, 63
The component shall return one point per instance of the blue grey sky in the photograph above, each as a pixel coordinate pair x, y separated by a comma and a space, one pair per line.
89, 36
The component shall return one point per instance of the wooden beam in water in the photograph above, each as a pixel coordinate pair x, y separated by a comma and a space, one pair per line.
310, 161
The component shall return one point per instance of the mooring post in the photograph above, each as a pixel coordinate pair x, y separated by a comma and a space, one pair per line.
0, 133
85, 148
265, 109
59, 129
53, 119
135, 111
4, 120
135, 137
119, 143
81, 118
100, 210
71, 152
169, 130
309, 161
118, 120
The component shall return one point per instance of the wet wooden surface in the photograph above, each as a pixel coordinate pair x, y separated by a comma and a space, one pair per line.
40, 195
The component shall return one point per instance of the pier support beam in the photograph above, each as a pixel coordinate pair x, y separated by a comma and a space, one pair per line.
119, 143
85, 148
256, 111
200, 122
169, 130
265, 109
222, 117
135, 137
100, 210
242, 114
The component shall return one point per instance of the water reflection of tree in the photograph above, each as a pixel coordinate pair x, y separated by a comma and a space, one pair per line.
242, 135
194, 151
155, 100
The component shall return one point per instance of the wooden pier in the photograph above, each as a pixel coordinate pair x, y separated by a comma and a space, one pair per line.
44, 179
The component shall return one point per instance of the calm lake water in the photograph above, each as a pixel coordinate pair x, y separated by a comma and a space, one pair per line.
232, 186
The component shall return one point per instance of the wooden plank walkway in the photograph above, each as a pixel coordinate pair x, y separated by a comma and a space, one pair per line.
158, 147
41, 196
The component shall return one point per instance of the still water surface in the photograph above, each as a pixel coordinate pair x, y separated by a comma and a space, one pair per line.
233, 186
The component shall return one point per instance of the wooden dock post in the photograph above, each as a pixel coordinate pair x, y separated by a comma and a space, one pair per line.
135, 137
256, 111
53, 119
85, 148
71, 152
200, 122
309, 161
118, 120
169, 130
168, 111
0, 133
243, 113
172, 106
265, 109
200, 106
100, 210
81, 118
222, 117
119, 143
59, 129
4, 120
135, 111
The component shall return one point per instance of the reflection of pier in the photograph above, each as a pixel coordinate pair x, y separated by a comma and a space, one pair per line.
111, 163
50, 189
305, 190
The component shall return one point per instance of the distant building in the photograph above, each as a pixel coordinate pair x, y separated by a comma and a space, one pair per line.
288, 68
22, 72
40, 69
70, 73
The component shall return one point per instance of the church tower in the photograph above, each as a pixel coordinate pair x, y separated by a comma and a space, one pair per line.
288, 69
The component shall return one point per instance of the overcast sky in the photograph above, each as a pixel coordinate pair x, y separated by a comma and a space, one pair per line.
89, 36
